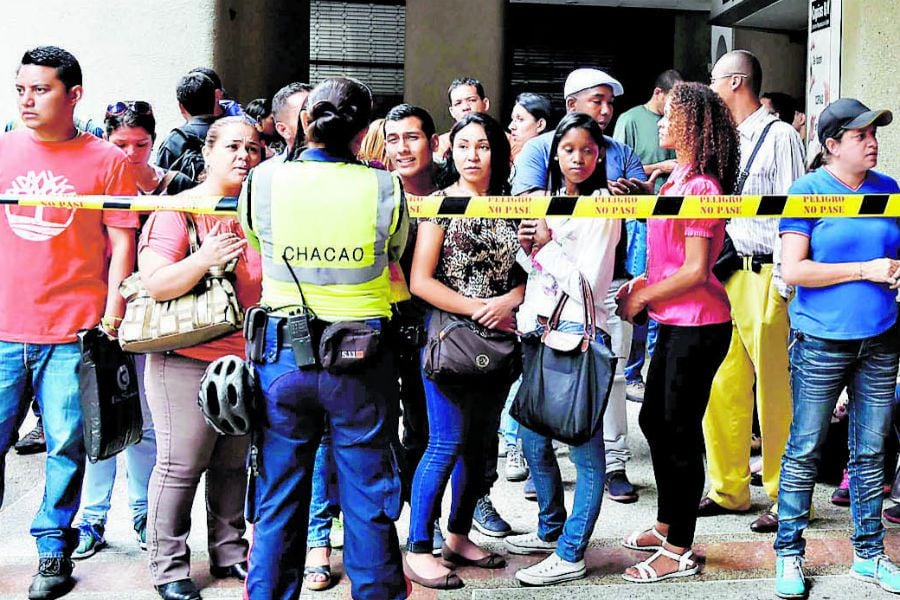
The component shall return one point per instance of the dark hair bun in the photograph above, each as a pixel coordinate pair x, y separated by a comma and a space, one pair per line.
339, 109
329, 123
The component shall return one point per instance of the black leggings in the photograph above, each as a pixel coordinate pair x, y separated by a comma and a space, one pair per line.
677, 391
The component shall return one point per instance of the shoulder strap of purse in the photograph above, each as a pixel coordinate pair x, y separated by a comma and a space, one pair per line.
745, 173
164, 183
193, 240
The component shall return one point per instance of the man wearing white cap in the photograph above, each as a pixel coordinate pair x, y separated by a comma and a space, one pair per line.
593, 91
590, 91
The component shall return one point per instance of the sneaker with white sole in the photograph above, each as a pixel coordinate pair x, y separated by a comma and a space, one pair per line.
879, 570
488, 521
552, 569
516, 469
528, 543
90, 540
635, 391
790, 581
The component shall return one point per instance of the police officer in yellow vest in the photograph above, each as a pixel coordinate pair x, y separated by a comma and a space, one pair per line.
327, 227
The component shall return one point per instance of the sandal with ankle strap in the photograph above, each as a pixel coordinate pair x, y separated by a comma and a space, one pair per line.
686, 567
631, 542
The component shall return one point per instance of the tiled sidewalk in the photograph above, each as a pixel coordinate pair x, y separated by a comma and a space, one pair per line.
738, 563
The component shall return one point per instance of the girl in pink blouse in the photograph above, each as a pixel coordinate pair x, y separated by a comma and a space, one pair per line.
682, 294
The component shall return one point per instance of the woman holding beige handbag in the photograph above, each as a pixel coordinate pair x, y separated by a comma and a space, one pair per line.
186, 445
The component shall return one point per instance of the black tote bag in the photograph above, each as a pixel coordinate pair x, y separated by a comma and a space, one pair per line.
110, 403
567, 378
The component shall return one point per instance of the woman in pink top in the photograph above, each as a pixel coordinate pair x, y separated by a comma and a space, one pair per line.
682, 294
187, 447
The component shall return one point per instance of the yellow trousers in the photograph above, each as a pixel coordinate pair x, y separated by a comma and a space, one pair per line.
757, 356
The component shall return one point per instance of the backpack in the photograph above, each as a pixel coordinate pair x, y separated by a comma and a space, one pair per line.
191, 161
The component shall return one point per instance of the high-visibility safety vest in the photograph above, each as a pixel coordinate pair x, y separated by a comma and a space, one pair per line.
335, 226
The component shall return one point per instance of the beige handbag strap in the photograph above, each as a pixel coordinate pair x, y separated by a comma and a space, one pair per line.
193, 240
587, 305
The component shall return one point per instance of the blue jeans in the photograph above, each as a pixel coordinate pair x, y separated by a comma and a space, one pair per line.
140, 458
459, 420
820, 369
572, 534
324, 505
359, 410
509, 427
54, 373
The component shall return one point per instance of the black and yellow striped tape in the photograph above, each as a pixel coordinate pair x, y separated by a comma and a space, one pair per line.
525, 207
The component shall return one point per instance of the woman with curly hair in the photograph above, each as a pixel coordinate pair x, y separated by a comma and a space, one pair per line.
681, 293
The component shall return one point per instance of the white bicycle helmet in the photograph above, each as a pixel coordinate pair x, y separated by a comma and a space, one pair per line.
226, 395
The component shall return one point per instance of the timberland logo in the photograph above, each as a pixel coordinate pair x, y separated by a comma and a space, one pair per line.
482, 361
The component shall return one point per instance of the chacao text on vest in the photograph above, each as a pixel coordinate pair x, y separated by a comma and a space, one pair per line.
329, 254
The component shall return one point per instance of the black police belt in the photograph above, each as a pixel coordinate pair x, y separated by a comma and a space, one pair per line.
755, 262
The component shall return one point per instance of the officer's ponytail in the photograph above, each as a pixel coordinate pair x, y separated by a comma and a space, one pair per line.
339, 108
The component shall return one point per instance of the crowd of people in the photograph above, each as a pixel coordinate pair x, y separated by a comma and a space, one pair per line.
726, 332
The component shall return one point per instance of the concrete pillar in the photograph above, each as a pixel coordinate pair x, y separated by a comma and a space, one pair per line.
446, 40
869, 54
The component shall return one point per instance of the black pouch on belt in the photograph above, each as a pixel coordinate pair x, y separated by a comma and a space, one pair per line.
348, 346
255, 320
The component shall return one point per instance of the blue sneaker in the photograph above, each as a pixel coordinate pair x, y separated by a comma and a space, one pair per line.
789, 579
879, 570
140, 531
529, 490
488, 521
437, 539
90, 539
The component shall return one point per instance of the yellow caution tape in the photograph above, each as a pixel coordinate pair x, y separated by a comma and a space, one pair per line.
643, 207
533, 207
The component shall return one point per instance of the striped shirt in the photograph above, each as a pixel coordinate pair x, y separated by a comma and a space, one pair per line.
778, 163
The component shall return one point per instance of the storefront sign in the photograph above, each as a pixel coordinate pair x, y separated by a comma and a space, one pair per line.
823, 85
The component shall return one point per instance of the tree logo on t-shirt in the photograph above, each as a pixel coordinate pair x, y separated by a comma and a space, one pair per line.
39, 223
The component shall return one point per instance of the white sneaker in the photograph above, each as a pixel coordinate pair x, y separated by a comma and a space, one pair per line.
528, 543
635, 391
552, 569
516, 469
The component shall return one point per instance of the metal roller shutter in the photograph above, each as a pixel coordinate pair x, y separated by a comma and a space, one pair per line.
365, 40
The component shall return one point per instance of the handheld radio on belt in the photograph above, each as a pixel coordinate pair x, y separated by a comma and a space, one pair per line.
298, 328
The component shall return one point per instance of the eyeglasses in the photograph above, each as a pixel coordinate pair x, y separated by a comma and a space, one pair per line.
714, 78
138, 107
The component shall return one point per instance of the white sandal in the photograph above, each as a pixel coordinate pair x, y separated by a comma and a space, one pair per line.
631, 541
686, 567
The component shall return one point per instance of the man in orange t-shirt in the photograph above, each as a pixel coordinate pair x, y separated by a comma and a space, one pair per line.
59, 272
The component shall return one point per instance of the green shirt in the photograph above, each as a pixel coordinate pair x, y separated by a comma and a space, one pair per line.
637, 128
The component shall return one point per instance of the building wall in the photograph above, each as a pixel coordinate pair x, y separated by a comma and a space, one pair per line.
869, 54
114, 47
783, 60
446, 40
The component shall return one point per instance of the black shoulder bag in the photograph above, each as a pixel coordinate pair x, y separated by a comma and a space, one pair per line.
566, 378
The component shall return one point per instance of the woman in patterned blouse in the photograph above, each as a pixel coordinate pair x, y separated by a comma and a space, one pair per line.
466, 267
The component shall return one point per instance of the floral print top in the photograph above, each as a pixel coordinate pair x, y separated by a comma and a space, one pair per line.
478, 256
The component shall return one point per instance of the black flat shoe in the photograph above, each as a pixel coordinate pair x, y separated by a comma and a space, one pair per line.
183, 589
238, 571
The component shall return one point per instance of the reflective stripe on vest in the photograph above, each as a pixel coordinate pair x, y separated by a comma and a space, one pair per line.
266, 183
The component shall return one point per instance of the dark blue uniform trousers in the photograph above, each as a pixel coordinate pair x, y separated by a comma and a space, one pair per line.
359, 410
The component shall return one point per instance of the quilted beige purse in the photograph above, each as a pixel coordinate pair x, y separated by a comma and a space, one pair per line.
209, 311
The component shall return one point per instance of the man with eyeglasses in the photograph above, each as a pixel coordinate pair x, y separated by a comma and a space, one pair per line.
756, 366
